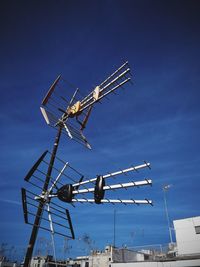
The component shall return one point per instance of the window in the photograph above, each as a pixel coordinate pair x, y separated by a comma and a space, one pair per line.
197, 229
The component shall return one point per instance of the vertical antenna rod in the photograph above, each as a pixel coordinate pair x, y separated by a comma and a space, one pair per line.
36, 224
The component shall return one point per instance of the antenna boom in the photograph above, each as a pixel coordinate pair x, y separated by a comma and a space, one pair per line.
114, 201
136, 168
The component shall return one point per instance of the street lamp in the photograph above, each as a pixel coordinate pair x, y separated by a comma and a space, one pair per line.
165, 189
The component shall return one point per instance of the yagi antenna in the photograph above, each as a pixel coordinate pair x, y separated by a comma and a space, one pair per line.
52, 181
72, 117
69, 186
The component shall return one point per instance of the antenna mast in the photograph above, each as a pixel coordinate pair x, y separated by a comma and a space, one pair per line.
36, 224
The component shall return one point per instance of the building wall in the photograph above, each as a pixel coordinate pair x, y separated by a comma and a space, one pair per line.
126, 255
187, 236
101, 260
181, 263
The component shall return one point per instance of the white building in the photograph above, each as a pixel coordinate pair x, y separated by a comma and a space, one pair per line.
188, 236
186, 248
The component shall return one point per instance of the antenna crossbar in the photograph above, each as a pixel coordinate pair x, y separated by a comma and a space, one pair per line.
136, 168
106, 80
113, 74
103, 95
89, 101
115, 186
114, 201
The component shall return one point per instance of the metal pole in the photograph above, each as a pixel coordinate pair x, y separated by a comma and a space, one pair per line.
36, 224
166, 211
114, 233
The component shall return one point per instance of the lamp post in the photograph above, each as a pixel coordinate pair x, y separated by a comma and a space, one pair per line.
114, 229
165, 189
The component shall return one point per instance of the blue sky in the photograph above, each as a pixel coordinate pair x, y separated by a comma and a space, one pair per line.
156, 119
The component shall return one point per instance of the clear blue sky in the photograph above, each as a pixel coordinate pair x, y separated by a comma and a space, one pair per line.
156, 119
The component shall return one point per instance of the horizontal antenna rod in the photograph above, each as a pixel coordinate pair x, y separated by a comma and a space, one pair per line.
114, 80
106, 187
114, 201
114, 73
136, 168
105, 94
115, 186
114, 88
84, 103
88, 96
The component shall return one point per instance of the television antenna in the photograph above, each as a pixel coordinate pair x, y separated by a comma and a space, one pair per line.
66, 116
72, 116
66, 186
